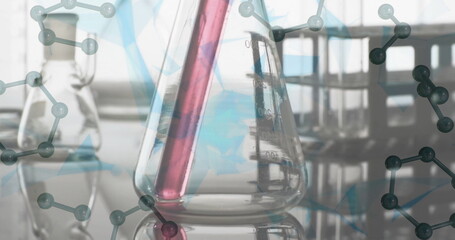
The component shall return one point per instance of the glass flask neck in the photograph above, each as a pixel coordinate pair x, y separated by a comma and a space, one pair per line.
59, 63
51, 63
64, 25
63, 72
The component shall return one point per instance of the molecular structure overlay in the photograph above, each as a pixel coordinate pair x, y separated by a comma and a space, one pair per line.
47, 37
314, 23
435, 95
169, 229
81, 212
59, 110
389, 200
402, 30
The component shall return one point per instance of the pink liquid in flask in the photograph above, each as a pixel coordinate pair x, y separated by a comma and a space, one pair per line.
177, 158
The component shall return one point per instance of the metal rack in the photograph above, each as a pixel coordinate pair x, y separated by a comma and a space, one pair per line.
368, 148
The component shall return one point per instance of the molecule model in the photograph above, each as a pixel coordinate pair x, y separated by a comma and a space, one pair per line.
402, 30
435, 95
81, 212
59, 110
47, 37
314, 23
169, 229
389, 200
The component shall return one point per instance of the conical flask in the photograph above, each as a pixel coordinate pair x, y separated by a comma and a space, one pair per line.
60, 121
60, 108
221, 137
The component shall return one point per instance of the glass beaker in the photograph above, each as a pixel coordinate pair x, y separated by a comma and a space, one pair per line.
221, 137
278, 227
59, 134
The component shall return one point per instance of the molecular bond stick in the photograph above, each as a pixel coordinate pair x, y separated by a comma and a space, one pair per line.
47, 37
81, 212
402, 30
389, 200
435, 95
169, 229
314, 23
59, 110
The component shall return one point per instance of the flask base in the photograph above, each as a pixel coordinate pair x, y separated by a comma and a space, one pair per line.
210, 208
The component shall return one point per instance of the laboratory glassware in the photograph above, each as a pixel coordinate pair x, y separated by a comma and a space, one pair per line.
221, 137
277, 227
65, 88
14, 215
71, 179
70, 173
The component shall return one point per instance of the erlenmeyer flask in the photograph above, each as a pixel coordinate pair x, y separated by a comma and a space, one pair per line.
60, 107
221, 137
60, 115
